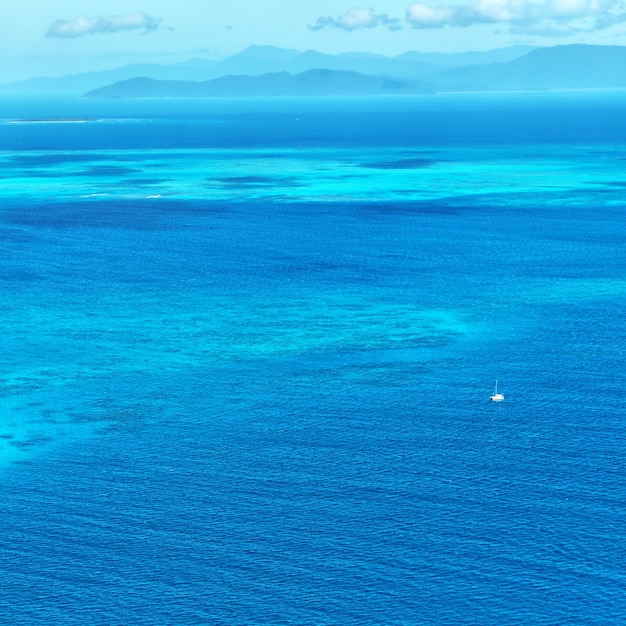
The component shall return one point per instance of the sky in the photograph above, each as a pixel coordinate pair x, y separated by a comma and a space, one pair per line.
43, 38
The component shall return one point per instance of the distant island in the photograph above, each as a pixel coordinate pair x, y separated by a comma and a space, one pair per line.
268, 71
319, 82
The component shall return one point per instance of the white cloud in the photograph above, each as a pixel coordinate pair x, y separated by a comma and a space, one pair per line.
97, 25
356, 19
523, 16
423, 16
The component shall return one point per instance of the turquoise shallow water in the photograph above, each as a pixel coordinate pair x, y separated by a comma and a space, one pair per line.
247, 351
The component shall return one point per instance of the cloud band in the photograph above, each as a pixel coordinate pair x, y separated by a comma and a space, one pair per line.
81, 26
538, 17
356, 19
549, 17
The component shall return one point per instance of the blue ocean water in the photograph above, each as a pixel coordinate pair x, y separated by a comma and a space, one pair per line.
248, 347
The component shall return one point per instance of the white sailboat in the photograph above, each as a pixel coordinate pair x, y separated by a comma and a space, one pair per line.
496, 397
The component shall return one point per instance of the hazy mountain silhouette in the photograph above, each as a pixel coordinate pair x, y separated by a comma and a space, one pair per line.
77, 84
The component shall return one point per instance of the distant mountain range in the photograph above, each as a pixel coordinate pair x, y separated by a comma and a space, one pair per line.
560, 67
258, 60
268, 71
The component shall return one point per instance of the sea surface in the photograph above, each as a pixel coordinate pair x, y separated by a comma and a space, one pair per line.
247, 348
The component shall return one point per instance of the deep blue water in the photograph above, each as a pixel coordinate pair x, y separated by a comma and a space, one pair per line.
248, 347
